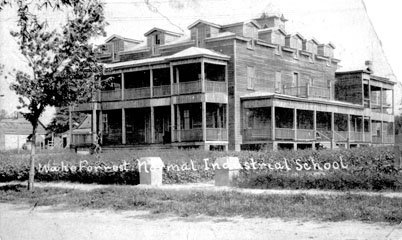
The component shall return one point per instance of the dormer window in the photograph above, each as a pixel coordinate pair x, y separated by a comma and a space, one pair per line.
157, 39
207, 32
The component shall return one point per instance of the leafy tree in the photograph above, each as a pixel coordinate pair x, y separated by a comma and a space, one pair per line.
62, 62
60, 122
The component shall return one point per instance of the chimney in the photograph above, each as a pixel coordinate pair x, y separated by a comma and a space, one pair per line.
369, 66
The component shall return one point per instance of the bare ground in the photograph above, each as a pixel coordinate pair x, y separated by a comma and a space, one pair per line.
25, 222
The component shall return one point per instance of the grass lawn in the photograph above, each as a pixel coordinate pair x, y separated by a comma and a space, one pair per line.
220, 203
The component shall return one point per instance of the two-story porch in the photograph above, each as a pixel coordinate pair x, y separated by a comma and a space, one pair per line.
279, 121
179, 103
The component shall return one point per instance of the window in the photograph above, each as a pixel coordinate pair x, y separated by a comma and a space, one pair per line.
250, 44
278, 81
157, 39
250, 77
295, 80
207, 32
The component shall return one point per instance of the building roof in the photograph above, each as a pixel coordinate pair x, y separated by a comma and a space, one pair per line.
204, 22
262, 95
197, 52
122, 38
164, 31
19, 126
186, 53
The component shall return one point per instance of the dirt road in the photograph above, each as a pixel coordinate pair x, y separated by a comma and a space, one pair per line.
45, 223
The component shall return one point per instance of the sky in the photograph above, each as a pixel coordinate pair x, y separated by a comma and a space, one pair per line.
360, 29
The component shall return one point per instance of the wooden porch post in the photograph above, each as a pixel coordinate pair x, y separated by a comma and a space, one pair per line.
381, 102
332, 130
152, 125
172, 123
178, 123
314, 126
203, 75
273, 123
382, 129
94, 125
151, 82
122, 86
363, 137
101, 126
295, 123
70, 125
204, 121
349, 132
123, 126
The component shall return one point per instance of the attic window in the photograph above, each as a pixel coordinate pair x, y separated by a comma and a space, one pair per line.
157, 39
250, 44
207, 32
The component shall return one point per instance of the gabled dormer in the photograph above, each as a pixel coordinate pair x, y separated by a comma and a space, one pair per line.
200, 30
245, 29
294, 41
326, 50
157, 37
272, 35
311, 45
115, 44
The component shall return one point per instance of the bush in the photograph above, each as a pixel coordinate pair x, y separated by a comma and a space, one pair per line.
367, 168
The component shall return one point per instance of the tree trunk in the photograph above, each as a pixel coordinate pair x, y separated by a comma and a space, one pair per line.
32, 161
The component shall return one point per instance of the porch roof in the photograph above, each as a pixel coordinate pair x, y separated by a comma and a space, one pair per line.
191, 52
264, 95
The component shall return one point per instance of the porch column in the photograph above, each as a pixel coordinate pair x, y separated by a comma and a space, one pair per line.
94, 126
70, 125
363, 137
202, 75
392, 104
152, 125
122, 86
178, 123
381, 103
295, 122
273, 123
171, 80
123, 126
172, 121
349, 133
100, 126
315, 124
332, 130
151, 82
204, 121
382, 129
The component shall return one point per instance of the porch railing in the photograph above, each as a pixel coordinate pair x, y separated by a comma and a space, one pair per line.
296, 91
388, 139
307, 91
160, 91
111, 95
188, 87
314, 91
376, 139
215, 86
136, 93
284, 133
367, 136
255, 134
341, 136
305, 134
356, 136
82, 139
323, 135
217, 134
188, 135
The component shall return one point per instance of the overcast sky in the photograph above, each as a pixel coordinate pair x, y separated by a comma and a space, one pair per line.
357, 34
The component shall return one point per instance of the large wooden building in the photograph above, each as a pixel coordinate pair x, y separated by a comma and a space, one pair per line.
246, 85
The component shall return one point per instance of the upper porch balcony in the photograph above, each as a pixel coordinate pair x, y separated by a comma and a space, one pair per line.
308, 91
190, 78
